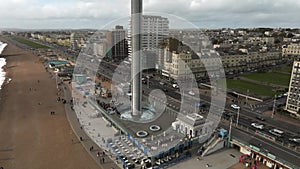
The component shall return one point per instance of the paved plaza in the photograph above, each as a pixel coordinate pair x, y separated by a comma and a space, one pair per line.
219, 160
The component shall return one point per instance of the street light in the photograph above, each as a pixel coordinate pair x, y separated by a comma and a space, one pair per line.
56, 81
274, 104
148, 81
229, 134
247, 97
237, 117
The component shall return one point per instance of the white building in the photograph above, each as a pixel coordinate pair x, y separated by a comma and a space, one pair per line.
293, 100
77, 40
291, 50
154, 30
192, 125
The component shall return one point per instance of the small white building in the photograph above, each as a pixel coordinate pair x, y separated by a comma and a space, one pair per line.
192, 125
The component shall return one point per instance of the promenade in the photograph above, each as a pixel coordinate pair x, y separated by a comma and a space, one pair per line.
91, 132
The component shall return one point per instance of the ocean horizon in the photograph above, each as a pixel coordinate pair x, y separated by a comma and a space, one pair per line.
2, 63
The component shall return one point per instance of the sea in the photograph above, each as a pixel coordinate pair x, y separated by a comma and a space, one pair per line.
2, 63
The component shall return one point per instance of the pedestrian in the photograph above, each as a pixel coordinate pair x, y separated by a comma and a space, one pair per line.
102, 159
81, 139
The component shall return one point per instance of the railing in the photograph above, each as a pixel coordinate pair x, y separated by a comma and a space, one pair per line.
211, 146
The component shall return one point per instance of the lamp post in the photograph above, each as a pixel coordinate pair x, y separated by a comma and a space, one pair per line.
148, 81
273, 110
229, 134
237, 117
247, 96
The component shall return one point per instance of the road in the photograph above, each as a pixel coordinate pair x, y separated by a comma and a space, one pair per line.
268, 146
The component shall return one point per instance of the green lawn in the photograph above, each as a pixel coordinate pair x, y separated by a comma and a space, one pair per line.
28, 42
242, 87
270, 77
285, 69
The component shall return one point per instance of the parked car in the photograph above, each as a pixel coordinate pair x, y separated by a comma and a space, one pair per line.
111, 111
191, 93
175, 86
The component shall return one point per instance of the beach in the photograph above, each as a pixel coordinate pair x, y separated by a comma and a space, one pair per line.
31, 138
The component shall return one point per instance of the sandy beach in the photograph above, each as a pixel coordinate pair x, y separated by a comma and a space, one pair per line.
31, 138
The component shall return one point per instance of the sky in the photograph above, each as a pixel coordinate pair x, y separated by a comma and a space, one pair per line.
101, 14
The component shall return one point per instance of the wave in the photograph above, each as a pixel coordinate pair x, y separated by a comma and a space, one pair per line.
2, 63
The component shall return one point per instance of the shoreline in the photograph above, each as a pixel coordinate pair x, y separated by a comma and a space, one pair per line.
34, 139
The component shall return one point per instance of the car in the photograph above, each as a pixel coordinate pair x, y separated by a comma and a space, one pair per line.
295, 140
175, 86
161, 83
258, 126
235, 106
260, 117
110, 111
276, 132
165, 90
191, 93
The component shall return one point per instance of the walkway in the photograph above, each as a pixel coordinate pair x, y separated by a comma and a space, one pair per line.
220, 160
86, 141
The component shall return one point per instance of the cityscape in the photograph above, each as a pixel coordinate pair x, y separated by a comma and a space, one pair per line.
150, 90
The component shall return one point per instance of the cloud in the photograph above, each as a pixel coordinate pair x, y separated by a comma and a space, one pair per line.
203, 13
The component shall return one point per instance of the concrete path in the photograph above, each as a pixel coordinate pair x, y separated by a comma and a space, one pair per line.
219, 160
87, 142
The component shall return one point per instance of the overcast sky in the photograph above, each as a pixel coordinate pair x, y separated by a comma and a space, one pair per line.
97, 13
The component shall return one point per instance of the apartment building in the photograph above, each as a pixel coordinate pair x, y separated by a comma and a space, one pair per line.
291, 51
154, 30
293, 99
242, 62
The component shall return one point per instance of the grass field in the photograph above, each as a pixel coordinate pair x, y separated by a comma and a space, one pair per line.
28, 42
284, 69
270, 77
242, 87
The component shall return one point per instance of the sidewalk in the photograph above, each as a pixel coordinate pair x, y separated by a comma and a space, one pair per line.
86, 141
220, 160
283, 118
